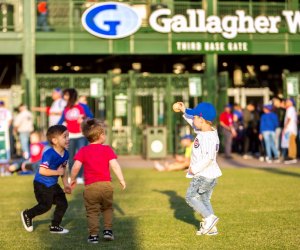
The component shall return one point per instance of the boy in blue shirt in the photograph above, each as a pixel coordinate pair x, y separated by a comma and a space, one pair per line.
46, 188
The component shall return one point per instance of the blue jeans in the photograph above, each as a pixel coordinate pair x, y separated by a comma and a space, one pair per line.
199, 193
270, 138
24, 140
74, 146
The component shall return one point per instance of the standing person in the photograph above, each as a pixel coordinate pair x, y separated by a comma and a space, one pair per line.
73, 116
203, 169
268, 124
84, 103
55, 110
279, 110
46, 188
98, 191
5, 126
227, 129
239, 128
23, 124
42, 18
249, 129
289, 132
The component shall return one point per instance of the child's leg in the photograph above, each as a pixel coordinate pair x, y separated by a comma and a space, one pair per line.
199, 194
92, 200
106, 207
61, 205
44, 197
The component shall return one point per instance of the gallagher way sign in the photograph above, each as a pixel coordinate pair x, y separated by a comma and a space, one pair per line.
112, 20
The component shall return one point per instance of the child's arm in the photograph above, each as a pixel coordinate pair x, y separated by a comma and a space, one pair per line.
75, 170
118, 172
67, 187
50, 172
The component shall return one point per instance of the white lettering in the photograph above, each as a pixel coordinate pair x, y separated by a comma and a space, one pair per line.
261, 24
156, 16
229, 25
246, 23
293, 25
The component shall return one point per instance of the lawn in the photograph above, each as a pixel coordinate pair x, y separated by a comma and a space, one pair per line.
258, 209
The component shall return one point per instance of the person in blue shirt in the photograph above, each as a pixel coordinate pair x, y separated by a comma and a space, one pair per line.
268, 124
46, 188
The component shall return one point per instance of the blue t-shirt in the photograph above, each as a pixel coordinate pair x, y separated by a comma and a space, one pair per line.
51, 160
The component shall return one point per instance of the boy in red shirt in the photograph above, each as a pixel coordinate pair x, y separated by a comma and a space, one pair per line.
98, 192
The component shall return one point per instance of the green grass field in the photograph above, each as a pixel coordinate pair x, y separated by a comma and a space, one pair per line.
258, 209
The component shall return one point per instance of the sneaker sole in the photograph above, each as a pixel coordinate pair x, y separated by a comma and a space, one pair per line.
59, 232
24, 224
93, 242
108, 238
212, 225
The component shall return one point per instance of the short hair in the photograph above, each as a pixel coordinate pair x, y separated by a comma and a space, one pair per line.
92, 129
54, 131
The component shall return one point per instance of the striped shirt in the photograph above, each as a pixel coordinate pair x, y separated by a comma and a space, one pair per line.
204, 153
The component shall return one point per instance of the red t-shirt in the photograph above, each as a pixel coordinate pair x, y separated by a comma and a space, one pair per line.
71, 116
95, 159
36, 151
226, 118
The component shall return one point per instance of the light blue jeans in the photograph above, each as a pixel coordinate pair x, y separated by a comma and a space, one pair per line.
199, 193
24, 140
270, 138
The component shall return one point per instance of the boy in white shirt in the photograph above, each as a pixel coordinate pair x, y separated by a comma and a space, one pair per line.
204, 169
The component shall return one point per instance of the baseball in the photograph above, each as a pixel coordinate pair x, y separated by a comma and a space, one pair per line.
176, 107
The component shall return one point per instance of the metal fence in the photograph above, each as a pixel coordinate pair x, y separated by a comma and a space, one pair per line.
130, 103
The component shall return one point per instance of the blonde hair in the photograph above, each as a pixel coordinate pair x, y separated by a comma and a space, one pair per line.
92, 129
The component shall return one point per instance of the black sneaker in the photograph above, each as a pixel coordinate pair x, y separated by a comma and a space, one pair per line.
58, 230
108, 235
27, 222
93, 239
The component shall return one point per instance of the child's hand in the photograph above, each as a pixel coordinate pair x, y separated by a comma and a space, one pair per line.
73, 184
68, 189
123, 184
60, 170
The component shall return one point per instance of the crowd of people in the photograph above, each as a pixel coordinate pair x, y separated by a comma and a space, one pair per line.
269, 134
67, 108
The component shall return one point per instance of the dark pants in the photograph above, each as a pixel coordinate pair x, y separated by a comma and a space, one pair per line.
46, 197
74, 146
227, 141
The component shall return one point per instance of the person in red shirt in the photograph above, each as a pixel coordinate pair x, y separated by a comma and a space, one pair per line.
72, 117
227, 130
98, 192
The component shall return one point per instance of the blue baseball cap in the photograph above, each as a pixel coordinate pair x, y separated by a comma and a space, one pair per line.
292, 100
205, 110
268, 107
187, 136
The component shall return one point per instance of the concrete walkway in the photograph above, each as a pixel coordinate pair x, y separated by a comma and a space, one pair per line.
237, 161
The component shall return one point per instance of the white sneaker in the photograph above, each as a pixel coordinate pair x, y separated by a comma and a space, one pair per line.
213, 231
292, 161
261, 158
209, 223
268, 160
247, 157
79, 180
158, 166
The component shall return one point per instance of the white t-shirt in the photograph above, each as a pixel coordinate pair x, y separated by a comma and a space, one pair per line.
292, 115
204, 153
24, 121
57, 106
5, 118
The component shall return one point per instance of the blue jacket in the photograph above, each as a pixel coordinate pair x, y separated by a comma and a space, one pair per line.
268, 122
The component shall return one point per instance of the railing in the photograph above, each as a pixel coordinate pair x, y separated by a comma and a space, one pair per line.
65, 15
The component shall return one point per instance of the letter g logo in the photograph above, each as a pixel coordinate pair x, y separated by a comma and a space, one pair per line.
111, 20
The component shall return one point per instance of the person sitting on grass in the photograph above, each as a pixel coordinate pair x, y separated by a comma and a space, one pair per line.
181, 162
46, 188
36, 150
203, 169
98, 190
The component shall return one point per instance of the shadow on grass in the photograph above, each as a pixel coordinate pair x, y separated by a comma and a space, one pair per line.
273, 170
182, 211
75, 220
